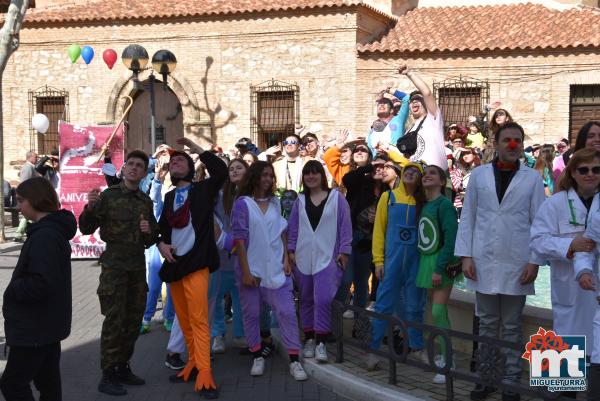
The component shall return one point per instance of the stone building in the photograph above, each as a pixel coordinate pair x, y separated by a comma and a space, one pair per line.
254, 68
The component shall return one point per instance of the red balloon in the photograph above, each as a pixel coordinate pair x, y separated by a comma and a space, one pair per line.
110, 57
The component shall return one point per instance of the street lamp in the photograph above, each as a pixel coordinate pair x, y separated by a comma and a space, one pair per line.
135, 58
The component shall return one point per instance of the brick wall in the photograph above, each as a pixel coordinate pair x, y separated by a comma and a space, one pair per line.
317, 52
533, 86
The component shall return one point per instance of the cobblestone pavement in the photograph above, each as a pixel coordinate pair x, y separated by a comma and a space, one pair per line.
80, 356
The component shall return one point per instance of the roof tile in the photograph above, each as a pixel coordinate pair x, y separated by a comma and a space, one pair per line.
479, 28
110, 10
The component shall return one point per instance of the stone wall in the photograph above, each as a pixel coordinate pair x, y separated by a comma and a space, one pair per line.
315, 51
533, 86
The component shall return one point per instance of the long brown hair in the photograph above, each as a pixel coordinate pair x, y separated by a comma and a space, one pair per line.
252, 178
585, 155
40, 194
494, 126
230, 189
545, 159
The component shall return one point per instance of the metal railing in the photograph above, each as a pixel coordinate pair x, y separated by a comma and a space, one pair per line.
489, 358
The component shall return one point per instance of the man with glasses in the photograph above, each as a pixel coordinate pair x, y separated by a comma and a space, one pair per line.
288, 170
500, 204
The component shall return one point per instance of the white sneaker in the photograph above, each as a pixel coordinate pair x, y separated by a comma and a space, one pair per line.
372, 362
420, 356
309, 349
371, 306
348, 314
218, 345
240, 342
258, 367
321, 353
297, 371
440, 363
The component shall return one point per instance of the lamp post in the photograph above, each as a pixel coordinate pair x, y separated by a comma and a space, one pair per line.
135, 58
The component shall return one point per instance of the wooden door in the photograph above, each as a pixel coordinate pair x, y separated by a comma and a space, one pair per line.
168, 118
584, 107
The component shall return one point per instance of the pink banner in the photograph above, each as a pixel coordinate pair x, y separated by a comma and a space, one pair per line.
79, 173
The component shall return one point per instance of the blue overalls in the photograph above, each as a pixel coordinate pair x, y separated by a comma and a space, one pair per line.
401, 265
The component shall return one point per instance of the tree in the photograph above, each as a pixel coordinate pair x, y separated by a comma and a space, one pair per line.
9, 43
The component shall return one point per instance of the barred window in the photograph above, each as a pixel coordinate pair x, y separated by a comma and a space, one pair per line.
459, 98
275, 109
53, 103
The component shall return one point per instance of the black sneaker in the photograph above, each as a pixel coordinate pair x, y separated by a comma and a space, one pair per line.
209, 393
510, 396
267, 349
481, 392
124, 375
110, 385
174, 362
179, 379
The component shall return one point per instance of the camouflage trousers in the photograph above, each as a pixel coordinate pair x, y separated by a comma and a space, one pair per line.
122, 295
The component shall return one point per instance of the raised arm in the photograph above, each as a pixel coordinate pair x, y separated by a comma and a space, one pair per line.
422, 87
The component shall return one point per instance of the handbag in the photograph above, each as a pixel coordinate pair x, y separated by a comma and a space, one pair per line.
407, 144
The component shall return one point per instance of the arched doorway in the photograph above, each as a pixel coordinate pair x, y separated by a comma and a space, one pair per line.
168, 118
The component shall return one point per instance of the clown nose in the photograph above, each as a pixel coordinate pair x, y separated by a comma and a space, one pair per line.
512, 145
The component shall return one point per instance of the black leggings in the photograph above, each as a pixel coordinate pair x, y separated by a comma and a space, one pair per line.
38, 364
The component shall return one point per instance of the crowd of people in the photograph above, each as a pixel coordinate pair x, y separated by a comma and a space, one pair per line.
386, 221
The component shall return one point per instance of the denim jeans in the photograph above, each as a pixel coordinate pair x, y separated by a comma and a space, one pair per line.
357, 272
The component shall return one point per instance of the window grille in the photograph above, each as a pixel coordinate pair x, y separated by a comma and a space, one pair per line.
53, 103
460, 98
275, 109
584, 106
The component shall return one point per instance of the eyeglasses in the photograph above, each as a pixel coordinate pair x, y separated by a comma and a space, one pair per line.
292, 142
585, 170
307, 141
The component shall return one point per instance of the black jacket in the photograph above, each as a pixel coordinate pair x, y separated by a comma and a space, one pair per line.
202, 195
37, 302
360, 187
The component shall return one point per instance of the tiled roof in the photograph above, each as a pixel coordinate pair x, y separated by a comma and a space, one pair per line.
110, 10
502, 27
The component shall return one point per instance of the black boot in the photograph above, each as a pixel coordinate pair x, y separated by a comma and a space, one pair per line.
110, 385
125, 376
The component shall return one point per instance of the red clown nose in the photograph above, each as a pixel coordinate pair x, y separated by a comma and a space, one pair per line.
512, 145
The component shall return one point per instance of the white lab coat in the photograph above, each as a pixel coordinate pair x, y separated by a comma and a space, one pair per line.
589, 261
552, 232
496, 235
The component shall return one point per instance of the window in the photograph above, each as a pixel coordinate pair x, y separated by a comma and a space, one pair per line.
584, 106
275, 109
458, 99
54, 104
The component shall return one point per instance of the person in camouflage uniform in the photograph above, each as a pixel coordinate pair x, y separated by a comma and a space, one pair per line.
127, 225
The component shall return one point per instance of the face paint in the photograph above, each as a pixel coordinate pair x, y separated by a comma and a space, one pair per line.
513, 144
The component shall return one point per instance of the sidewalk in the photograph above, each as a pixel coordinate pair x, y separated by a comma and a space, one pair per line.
80, 356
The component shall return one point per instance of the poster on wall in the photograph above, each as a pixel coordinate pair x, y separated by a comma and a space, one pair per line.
80, 173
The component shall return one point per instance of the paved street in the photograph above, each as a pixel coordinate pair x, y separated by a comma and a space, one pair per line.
80, 356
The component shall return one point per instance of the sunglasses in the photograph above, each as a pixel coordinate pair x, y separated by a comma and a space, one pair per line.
391, 167
292, 142
363, 150
585, 170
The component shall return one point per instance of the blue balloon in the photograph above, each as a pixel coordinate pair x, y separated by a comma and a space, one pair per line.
87, 54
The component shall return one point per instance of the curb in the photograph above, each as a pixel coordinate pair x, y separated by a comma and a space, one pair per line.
342, 382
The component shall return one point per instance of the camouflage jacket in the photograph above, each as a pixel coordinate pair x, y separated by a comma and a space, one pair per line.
117, 213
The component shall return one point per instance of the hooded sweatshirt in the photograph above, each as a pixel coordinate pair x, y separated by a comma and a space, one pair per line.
37, 302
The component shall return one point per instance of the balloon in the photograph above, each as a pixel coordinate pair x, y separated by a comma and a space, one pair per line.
40, 123
87, 54
74, 52
110, 57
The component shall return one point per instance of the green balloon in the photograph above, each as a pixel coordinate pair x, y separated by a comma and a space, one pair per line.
74, 52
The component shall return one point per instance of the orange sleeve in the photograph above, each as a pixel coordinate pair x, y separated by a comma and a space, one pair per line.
332, 160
